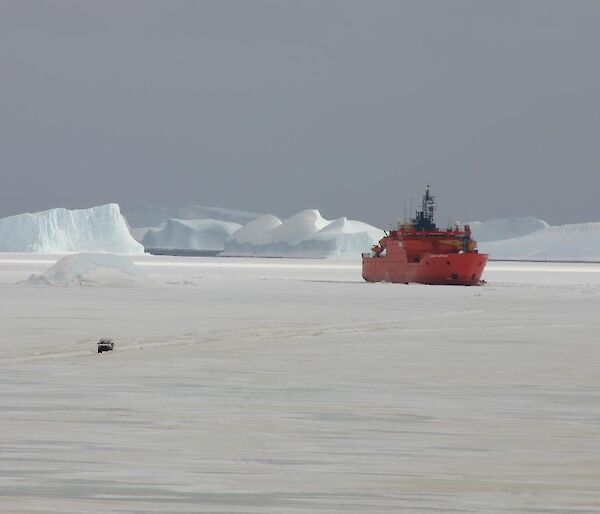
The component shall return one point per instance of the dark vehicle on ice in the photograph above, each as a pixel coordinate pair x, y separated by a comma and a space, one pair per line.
105, 345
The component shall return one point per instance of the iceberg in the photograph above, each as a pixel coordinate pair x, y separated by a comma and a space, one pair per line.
344, 237
139, 233
572, 242
257, 232
306, 234
155, 216
205, 234
505, 228
99, 229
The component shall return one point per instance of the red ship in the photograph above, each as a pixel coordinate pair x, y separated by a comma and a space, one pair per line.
418, 251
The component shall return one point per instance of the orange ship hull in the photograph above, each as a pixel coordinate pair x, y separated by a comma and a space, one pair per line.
443, 269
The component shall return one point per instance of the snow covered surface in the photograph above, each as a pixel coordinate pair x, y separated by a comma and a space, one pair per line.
204, 234
99, 229
89, 269
155, 216
290, 386
505, 228
306, 234
579, 241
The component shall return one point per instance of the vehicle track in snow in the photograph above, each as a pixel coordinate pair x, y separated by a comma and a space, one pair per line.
276, 331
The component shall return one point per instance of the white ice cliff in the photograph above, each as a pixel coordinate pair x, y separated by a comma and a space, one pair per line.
99, 229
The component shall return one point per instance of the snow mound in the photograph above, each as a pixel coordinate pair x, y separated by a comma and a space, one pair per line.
306, 234
90, 269
204, 234
155, 216
99, 229
580, 241
505, 228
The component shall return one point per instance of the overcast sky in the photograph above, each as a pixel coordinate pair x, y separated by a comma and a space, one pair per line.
279, 105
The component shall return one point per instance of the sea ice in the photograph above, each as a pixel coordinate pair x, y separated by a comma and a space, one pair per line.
291, 386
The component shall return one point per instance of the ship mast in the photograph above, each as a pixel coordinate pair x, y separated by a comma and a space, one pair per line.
429, 204
424, 218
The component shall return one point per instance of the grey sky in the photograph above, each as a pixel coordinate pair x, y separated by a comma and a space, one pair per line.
276, 106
